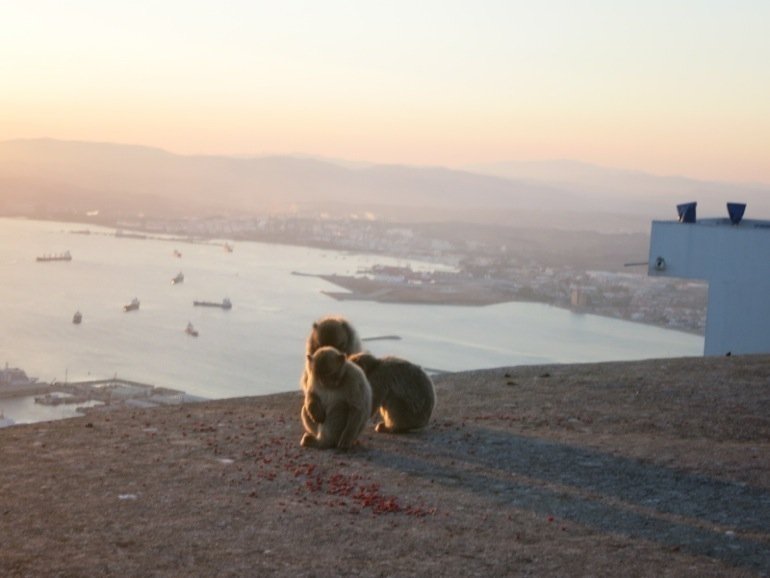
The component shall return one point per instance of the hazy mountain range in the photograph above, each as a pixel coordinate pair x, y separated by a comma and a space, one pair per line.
52, 175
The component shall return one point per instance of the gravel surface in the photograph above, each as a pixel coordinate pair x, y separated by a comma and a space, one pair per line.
653, 468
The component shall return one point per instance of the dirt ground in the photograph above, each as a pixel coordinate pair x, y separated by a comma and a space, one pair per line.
654, 468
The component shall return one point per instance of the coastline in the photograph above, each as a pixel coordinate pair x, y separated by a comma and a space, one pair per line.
363, 289
474, 293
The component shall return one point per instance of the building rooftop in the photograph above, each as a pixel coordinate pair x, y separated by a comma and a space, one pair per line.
723, 222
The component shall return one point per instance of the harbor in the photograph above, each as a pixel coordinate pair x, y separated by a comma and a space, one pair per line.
26, 400
259, 350
112, 392
14, 382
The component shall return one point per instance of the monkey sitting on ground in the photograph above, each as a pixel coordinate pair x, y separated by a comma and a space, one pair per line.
343, 397
331, 331
401, 391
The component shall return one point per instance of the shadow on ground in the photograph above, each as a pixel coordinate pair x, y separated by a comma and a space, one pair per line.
607, 493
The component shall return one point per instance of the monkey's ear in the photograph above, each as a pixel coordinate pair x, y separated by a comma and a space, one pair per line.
309, 358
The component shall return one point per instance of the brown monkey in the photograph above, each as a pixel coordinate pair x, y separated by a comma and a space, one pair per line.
331, 331
343, 396
401, 391
336, 332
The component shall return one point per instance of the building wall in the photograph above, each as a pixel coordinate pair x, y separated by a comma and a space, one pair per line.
735, 261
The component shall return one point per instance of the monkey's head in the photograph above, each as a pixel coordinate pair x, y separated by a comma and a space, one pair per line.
365, 361
326, 366
329, 331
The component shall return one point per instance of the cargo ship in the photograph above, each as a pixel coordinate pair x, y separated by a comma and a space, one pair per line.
224, 304
66, 256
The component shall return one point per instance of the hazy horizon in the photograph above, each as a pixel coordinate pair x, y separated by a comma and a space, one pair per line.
48, 176
657, 88
531, 167
489, 168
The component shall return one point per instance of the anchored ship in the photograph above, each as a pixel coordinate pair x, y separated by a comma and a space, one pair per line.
66, 256
224, 304
133, 306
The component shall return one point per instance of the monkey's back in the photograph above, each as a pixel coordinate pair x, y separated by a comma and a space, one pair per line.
403, 392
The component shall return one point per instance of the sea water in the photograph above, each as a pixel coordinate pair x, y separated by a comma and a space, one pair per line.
257, 347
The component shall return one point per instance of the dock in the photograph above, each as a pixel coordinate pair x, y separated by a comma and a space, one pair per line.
110, 392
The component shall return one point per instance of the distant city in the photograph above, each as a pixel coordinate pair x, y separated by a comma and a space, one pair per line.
587, 275
558, 232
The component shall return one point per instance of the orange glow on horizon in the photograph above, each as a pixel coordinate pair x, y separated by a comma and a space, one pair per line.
443, 85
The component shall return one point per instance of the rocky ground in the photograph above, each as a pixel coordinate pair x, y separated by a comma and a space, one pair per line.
655, 468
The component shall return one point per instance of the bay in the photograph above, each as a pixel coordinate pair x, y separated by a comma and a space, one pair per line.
257, 347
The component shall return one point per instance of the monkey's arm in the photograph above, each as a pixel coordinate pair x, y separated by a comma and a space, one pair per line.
312, 428
356, 416
326, 435
313, 408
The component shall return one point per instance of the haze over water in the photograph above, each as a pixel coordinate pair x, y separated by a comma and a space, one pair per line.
258, 346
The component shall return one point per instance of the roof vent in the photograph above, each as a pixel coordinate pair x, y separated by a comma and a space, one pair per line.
686, 212
736, 210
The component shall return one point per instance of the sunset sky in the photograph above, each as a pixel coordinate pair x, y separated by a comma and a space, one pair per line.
664, 86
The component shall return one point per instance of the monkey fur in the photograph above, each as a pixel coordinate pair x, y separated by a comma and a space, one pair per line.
343, 396
334, 331
402, 392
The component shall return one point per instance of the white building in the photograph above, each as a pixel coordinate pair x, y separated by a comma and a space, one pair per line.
733, 256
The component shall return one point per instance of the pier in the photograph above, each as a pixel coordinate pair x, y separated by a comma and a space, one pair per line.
110, 392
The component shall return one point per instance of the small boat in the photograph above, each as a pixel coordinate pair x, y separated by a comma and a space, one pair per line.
190, 330
66, 256
177, 254
224, 304
178, 279
133, 306
77, 318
